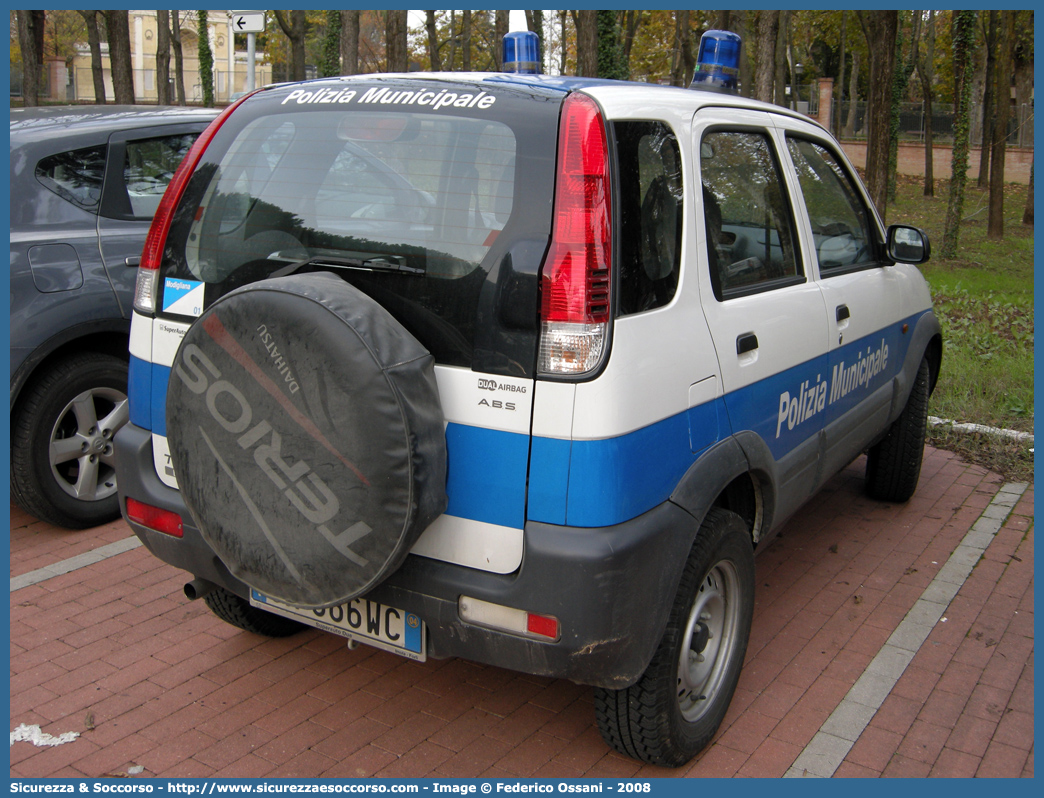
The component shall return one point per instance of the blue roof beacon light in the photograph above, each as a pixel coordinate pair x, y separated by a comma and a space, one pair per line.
522, 53
717, 65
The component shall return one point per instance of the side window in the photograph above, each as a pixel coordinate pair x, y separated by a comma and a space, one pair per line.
650, 215
750, 231
841, 225
147, 168
75, 176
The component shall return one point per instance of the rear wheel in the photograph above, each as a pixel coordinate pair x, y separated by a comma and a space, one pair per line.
62, 466
893, 466
675, 708
239, 612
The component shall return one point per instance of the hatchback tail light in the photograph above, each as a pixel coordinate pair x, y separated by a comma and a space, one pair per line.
147, 288
576, 278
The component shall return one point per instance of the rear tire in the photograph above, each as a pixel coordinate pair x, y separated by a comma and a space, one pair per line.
62, 465
239, 612
893, 466
675, 708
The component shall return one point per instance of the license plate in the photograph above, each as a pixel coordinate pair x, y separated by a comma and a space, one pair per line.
362, 620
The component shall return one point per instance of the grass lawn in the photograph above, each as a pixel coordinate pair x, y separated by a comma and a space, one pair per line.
984, 300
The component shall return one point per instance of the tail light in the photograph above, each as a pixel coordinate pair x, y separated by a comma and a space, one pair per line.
575, 280
508, 619
154, 518
147, 287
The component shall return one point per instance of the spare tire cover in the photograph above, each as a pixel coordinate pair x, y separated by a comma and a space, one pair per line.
307, 436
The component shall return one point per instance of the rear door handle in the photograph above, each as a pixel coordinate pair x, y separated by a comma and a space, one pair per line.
843, 312
747, 342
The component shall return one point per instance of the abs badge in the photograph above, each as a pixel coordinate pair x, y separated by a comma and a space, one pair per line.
184, 297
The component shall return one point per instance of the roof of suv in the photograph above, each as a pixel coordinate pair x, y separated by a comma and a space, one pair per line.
561, 83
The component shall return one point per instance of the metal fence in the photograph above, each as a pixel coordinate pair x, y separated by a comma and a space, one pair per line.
60, 84
912, 123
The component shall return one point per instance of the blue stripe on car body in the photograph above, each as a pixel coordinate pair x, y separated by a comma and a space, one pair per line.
595, 483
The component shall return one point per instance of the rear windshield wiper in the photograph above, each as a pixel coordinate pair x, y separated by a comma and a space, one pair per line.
378, 263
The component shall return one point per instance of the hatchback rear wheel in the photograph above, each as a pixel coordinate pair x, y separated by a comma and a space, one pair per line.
62, 465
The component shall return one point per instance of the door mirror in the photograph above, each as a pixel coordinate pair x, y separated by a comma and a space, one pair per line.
908, 244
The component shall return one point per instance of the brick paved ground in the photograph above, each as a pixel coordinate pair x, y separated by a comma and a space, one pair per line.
114, 651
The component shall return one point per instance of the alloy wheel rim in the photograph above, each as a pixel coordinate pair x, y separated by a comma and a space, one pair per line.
80, 450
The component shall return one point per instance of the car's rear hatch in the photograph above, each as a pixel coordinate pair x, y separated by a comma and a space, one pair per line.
432, 197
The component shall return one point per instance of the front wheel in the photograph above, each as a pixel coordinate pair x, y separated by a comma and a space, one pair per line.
893, 466
675, 708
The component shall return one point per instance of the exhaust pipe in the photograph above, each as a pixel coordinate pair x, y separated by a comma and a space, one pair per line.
198, 588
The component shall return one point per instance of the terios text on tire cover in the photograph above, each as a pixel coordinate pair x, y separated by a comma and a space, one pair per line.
519, 369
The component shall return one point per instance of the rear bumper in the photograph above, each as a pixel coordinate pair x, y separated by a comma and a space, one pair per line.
610, 588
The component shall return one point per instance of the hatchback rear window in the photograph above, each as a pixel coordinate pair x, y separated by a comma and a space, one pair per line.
407, 202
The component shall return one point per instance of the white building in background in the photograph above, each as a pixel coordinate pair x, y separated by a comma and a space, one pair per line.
230, 66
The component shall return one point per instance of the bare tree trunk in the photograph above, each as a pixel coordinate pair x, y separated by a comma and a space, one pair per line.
880, 28
350, 41
739, 24
835, 121
631, 21
117, 25
682, 51
780, 66
466, 42
1027, 213
926, 71
452, 67
535, 23
179, 58
1022, 56
30, 39
500, 30
563, 54
395, 41
765, 61
963, 35
295, 30
988, 96
978, 88
90, 21
853, 98
1002, 113
433, 41
900, 82
162, 57
586, 43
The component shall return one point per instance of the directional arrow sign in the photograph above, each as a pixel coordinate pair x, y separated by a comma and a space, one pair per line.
248, 21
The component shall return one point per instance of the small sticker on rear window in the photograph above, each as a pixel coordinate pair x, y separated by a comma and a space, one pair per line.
184, 297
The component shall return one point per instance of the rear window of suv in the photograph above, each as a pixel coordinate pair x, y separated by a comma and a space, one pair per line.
416, 207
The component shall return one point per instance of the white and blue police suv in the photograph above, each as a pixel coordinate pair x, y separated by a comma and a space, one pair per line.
519, 369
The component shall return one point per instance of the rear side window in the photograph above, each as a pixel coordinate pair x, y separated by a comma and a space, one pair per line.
650, 214
418, 208
750, 229
76, 176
